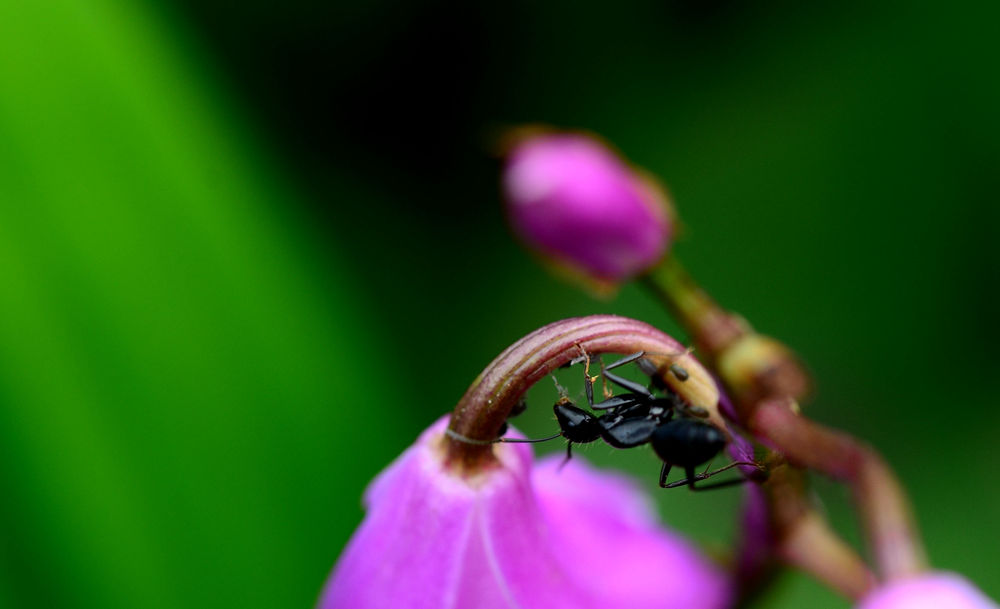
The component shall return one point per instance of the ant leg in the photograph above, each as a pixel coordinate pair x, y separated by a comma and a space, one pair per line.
588, 381
730, 466
692, 478
689, 476
627, 385
618, 402
717, 485
586, 360
628, 359
664, 472
652, 371
569, 455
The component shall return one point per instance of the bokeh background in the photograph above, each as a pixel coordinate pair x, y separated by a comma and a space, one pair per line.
249, 250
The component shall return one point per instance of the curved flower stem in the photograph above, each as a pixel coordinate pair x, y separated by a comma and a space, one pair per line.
489, 400
760, 371
711, 327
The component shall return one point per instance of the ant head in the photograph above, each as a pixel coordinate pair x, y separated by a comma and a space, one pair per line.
569, 415
576, 424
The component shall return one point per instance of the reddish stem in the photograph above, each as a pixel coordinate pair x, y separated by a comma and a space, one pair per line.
489, 400
755, 369
882, 504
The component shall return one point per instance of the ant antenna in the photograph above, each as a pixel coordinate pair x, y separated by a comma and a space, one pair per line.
457, 436
524, 440
651, 369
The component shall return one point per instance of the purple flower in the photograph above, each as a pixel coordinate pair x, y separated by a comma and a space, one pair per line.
514, 536
929, 591
578, 204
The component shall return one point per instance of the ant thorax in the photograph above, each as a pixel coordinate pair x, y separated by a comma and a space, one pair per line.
632, 413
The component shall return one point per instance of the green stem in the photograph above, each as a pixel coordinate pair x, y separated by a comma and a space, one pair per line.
711, 327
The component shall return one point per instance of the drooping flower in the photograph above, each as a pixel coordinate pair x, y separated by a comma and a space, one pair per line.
575, 202
514, 535
936, 590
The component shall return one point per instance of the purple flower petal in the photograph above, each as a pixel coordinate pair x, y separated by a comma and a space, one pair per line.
510, 537
930, 591
602, 523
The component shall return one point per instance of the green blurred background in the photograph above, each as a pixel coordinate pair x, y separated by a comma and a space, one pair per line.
249, 250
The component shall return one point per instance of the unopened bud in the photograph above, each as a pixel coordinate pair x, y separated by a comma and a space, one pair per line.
579, 205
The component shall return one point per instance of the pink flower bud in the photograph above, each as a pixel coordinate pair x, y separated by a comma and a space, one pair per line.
513, 536
574, 201
930, 591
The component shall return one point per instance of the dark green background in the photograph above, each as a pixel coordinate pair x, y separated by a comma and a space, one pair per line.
249, 250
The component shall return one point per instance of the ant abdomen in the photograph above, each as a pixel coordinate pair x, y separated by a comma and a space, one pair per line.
687, 442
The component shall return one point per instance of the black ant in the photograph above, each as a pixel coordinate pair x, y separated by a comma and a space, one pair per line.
637, 417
